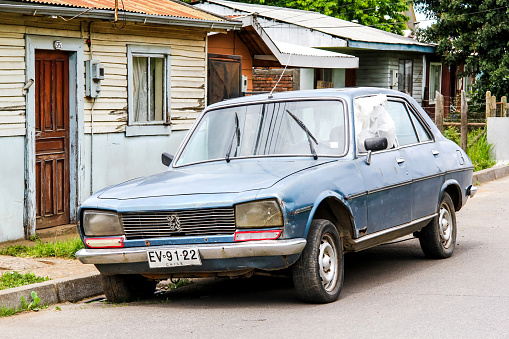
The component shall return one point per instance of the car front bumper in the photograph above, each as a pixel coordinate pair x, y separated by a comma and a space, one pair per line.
263, 248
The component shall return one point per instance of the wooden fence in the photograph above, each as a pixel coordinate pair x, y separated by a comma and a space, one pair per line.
491, 111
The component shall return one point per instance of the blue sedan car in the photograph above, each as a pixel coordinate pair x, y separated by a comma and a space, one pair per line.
294, 180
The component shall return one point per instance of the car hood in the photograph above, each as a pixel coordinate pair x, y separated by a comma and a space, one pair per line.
210, 178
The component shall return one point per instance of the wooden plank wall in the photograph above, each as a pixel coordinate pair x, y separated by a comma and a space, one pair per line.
374, 69
109, 45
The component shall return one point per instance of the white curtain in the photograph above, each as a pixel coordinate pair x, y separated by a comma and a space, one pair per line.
140, 99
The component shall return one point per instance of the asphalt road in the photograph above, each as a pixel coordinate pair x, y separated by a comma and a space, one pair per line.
390, 291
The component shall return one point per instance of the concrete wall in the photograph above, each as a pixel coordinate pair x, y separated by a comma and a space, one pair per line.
117, 158
498, 135
12, 188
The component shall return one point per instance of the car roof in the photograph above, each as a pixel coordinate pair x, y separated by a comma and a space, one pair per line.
347, 93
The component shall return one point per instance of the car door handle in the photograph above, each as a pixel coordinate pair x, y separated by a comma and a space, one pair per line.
400, 160
435, 152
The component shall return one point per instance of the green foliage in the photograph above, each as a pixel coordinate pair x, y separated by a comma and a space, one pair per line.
382, 14
15, 279
480, 152
476, 33
61, 249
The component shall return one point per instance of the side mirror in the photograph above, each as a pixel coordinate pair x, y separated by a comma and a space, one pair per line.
375, 144
166, 159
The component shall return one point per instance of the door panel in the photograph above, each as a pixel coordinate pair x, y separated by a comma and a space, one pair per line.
52, 138
389, 187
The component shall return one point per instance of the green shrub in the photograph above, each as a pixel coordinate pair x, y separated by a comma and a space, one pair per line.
15, 279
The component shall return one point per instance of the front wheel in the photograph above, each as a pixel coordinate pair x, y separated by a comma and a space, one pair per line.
438, 238
318, 274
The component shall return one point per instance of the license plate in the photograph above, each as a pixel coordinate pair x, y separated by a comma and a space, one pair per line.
173, 257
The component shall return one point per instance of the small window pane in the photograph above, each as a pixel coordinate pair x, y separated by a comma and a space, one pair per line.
435, 79
421, 131
405, 132
140, 89
156, 89
405, 76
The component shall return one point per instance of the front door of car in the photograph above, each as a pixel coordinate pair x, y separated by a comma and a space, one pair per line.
389, 190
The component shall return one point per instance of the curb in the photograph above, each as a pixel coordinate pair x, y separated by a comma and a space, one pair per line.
490, 174
54, 291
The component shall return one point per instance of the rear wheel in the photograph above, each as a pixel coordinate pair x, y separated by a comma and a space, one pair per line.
127, 287
438, 238
318, 274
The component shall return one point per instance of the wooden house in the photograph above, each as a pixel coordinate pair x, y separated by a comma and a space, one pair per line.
385, 59
91, 94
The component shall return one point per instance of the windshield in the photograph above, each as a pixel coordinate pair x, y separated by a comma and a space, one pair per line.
267, 129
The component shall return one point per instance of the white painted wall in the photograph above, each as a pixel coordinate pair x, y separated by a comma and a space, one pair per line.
118, 158
12, 187
307, 78
498, 135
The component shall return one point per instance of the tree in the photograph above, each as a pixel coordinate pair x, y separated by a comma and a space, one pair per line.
386, 15
474, 33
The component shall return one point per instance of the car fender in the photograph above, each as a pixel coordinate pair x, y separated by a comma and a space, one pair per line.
319, 199
458, 199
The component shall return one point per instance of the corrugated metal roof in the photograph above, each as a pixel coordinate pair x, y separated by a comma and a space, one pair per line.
322, 23
293, 49
151, 7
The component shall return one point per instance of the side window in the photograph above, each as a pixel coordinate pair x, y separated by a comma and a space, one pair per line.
405, 132
148, 70
421, 131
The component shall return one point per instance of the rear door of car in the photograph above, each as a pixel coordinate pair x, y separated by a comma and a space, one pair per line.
422, 155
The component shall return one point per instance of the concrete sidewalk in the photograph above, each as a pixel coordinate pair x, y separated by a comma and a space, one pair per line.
75, 285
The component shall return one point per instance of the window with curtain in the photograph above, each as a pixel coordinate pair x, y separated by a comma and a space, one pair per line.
148, 88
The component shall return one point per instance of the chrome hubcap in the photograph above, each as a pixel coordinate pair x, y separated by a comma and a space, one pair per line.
446, 226
328, 262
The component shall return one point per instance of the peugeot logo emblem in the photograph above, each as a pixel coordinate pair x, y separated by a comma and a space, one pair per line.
174, 223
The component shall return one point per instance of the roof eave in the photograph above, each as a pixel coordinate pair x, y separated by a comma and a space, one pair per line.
109, 14
390, 47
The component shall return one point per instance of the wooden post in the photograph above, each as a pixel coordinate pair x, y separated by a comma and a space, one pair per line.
504, 106
464, 121
488, 105
493, 111
439, 111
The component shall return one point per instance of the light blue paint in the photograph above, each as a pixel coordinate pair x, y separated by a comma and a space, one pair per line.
11, 188
118, 158
390, 47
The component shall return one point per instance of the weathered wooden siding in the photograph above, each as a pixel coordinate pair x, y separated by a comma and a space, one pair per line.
109, 45
375, 68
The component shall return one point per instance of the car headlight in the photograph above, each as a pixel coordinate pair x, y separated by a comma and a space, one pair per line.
101, 223
263, 213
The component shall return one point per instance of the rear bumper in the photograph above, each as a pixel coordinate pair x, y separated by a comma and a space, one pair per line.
207, 251
471, 190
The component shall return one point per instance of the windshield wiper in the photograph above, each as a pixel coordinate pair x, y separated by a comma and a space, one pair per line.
309, 135
235, 133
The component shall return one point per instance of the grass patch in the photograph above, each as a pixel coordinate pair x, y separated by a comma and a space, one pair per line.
58, 249
480, 152
15, 279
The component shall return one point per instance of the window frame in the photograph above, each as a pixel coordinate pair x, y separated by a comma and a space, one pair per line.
433, 100
163, 127
402, 77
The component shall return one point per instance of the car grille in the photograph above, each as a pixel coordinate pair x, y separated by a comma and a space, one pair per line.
211, 221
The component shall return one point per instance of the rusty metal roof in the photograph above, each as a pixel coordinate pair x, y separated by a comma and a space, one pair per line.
168, 8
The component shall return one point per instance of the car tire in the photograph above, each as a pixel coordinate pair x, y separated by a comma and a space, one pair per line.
319, 271
438, 238
127, 287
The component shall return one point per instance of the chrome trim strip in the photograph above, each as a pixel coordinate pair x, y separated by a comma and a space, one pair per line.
301, 210
207, 251
401, 184
353, 196
389, 234
460, 170
429, 177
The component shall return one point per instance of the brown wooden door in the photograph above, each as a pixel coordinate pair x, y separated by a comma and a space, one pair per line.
224, 77
52, 138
